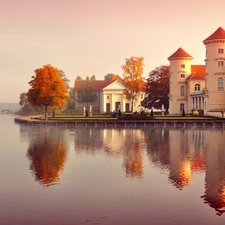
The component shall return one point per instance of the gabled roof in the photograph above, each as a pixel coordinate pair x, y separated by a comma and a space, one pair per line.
180, 53
218, 34
197, 72
101, 84
97, 84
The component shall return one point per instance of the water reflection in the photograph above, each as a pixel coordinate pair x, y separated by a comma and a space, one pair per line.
125, 143
178, 153
47, 153
158, 148
215, 172
186, 156
132, 154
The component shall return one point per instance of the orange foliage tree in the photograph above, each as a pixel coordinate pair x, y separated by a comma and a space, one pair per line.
48, 89
133, 80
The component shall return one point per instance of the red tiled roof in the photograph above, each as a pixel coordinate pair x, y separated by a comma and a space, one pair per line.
218, 34
180, 53
98, 84
197, 72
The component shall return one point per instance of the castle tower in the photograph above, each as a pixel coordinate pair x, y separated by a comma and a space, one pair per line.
215, 70
180, 69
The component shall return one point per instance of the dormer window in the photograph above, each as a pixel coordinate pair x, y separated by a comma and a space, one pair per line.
220, 63
220, 51
182, 75
182, 65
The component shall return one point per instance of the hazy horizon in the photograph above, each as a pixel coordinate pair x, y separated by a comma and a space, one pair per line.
85, 38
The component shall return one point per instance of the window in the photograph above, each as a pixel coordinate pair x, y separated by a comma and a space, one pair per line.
220, 51
141, 96
197, 87
182, 75
182, 65
220, 63
181, 107
182, 90
220, 83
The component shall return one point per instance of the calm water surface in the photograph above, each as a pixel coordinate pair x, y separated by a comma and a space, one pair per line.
111, 175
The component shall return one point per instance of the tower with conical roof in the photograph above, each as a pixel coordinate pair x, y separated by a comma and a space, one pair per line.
180, 69
215, 70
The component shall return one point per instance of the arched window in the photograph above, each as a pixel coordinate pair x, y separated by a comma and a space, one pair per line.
197, 87
220, 83
182, 90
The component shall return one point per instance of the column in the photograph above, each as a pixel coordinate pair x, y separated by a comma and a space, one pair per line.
122, 107
112, 105
104, 103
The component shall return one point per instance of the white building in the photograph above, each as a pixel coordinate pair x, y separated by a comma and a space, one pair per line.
199, 86
110, 96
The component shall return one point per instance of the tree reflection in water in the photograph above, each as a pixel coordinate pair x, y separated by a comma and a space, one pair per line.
47, 153
178, 152
132, 154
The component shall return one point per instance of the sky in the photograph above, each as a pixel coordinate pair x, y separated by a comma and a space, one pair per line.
94, 37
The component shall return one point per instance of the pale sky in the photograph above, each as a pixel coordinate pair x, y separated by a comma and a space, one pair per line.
93, 37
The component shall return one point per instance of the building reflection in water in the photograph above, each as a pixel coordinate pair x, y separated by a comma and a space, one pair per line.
215, 172
184, 152
47, 153
179, 152
111, 141
186, 155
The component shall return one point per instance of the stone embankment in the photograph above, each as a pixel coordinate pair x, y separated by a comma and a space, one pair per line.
181, 122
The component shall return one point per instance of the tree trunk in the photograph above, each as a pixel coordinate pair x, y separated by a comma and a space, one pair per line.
46, 112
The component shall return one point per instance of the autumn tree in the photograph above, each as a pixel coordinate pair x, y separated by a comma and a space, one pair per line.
157, 89
86, 92
133, 80
26, 107
48, 89
66, 81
